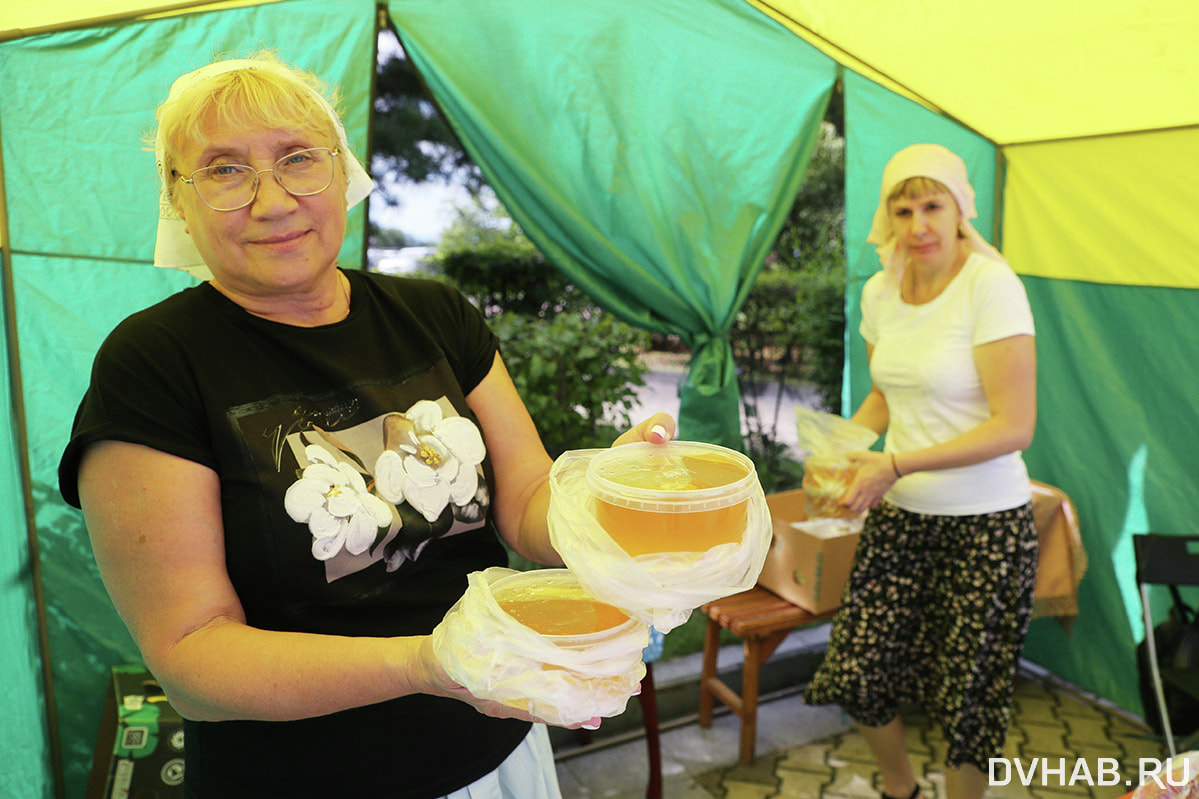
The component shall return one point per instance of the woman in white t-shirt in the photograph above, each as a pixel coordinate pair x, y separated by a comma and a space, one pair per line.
940, 597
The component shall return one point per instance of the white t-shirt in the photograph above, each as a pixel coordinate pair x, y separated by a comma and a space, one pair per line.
923, 363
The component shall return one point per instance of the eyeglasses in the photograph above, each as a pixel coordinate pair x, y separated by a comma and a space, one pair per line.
227, 187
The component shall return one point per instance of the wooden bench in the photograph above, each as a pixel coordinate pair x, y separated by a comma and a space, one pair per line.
763, 620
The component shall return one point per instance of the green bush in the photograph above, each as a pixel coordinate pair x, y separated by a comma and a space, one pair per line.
577, 372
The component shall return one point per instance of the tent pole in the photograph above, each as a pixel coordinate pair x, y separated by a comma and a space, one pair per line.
1000, 182
17, 403
368, 156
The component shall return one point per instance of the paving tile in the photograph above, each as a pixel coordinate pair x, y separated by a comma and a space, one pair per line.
812, 758
1136, 747
712, 783
1026, 688
1094, 730
850, 748
761, 771
915, 738
1072, 706
803, 784
682, 787
1121, 726
1033, 710
938, 749
1092, 753
1012, 789
932, 785
853, 781
1043, 741
748, 790
1056, 792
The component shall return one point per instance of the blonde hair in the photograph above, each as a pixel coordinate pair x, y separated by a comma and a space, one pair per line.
918, 186
279, 96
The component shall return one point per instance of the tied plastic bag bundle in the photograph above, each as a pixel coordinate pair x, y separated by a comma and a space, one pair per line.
536, 641
659, 529
1178, 779
828, 474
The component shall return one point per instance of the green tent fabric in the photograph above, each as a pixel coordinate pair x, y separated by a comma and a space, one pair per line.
1083, 142
1116, 428
878, 123
639, 147
82, 203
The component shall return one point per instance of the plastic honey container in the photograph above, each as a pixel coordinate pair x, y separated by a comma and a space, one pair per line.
551, 602
682, 496
826, 481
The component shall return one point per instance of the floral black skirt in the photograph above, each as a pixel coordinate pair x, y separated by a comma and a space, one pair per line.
934, 614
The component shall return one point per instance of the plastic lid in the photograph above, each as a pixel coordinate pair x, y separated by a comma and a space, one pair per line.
676, 477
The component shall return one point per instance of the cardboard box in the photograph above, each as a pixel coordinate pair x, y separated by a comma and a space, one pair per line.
139, 751
805, 569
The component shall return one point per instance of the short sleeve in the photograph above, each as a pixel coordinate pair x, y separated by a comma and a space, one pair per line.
869, 324
1001, 304
459, 328
135, 396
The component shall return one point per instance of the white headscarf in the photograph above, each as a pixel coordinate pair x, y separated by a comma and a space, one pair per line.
928, 161
174, 248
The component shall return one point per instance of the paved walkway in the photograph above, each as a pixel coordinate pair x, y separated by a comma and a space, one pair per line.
814, 753
661, 393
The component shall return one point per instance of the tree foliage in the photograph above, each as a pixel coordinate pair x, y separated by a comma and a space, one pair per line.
411, 139
576, 367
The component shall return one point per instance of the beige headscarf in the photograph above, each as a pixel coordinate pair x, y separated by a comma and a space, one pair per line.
940, 164
174, 248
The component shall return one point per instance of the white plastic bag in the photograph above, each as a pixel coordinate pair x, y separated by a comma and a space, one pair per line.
828, 474
659, 589
1178, 779
830, 527
496, 657
823, 433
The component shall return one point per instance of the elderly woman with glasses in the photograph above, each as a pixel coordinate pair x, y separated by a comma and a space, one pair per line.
288, 470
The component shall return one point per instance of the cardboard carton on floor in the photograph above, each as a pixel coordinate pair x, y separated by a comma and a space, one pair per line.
805, 569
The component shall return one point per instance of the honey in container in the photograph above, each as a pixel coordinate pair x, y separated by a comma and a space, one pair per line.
559, 609
678, 497
827, 479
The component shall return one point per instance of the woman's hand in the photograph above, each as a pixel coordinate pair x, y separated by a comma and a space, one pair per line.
657, 429
875, 476
437, 682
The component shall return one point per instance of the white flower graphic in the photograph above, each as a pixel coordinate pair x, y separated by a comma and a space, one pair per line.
331, 498
429, 459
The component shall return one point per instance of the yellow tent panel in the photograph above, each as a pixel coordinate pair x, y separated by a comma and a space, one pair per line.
19, 19
1023, 70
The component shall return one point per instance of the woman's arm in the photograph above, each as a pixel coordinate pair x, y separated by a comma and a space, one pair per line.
156, 530
873, 412
1008, 371
522, 466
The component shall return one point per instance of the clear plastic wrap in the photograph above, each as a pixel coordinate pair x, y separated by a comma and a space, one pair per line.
659, 588
828, 474
564, 680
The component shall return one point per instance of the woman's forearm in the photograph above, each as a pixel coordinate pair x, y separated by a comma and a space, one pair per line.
229, 670
994, 437
873, 412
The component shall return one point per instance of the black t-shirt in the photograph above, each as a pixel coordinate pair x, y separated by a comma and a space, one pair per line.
355, 492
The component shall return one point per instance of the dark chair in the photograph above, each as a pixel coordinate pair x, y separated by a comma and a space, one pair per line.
1171, 560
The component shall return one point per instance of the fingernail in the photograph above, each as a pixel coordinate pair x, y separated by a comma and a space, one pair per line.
659, 430
594, 724
638, 691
